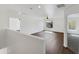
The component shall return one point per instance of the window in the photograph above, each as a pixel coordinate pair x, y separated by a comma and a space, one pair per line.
72, 24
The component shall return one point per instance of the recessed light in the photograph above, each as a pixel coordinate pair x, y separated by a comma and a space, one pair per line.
39, 6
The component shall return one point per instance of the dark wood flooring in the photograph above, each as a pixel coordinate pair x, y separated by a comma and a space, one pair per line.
54, 42
67, 51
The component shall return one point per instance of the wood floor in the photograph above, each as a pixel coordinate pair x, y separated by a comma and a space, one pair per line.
54, 42
67, 51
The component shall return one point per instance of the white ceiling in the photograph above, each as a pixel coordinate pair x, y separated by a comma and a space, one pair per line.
24, 9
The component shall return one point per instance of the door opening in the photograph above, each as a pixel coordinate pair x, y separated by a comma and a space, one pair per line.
14, 24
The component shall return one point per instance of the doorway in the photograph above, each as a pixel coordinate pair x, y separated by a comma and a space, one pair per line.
14, 24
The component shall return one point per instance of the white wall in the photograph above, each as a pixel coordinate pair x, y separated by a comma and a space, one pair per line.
58, 19
3, 25
31, 24
49, 10
18, 43
29, 20
2, 39
32, 16
3, 19
14, 24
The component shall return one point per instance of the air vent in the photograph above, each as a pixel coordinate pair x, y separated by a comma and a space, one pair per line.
60, 5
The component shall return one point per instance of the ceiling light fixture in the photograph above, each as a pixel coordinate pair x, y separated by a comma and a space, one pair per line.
39, 6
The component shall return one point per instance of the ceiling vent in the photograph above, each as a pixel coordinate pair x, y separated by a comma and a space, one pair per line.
60, 5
